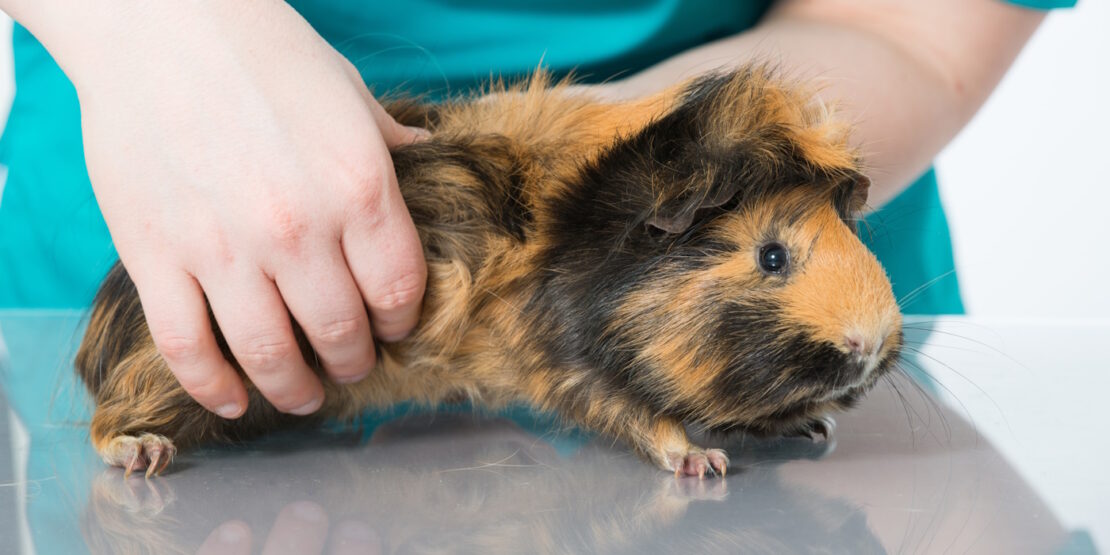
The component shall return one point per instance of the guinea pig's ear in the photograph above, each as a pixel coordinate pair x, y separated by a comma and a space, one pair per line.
850, 195
677, 216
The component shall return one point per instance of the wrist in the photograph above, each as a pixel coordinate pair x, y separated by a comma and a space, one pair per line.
73, 31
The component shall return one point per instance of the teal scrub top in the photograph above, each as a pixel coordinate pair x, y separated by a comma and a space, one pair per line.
55, 247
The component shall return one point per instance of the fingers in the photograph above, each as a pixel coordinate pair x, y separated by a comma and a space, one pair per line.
178, 320
385, 257
327, 304
255, 323
381, 245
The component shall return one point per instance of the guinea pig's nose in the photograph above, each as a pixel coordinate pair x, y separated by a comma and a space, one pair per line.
855, 343
858, 344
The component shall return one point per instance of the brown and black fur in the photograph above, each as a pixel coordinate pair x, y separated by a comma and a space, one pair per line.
592, 259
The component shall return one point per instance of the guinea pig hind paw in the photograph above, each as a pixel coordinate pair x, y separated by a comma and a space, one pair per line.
152, 452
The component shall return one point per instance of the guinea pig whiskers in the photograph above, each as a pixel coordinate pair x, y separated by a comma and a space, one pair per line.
908, 297
930, 401
922, 353
983, 344
889, 378
997, 407
935, 346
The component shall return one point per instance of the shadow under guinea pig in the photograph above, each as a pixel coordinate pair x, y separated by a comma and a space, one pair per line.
465, 483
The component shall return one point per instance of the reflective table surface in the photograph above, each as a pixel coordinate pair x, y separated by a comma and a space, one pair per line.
989, 441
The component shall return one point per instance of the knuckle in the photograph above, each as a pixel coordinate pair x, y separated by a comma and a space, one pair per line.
178, 349
286, 226
406, 290
366, 195
265, 355
364, 181
340, 330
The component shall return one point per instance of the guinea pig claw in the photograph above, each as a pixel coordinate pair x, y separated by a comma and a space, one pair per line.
676, 462
152, 468
718, 461
701, 466
134, 464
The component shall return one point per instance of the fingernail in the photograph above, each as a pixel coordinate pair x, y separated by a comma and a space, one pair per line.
308, 408
230, 410
232, 532
344, 380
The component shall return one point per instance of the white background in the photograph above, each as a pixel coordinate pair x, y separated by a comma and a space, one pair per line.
1027, 186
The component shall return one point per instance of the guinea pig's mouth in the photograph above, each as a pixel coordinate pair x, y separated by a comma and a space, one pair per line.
857, 376
850, 383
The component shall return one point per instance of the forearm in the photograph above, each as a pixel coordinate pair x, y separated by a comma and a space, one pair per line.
102, 39
909, 75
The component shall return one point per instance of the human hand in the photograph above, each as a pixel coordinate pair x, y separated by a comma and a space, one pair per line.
238, 158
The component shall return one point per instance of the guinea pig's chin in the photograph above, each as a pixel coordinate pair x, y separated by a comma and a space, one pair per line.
865, 374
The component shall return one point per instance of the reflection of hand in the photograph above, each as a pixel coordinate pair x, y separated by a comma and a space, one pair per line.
300, 528
239, 159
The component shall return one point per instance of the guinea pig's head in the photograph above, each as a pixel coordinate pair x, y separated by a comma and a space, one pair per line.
707, 264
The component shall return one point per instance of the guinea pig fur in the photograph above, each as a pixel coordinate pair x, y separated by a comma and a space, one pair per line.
684, 259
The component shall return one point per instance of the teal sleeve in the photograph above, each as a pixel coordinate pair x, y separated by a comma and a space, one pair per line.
1044, 4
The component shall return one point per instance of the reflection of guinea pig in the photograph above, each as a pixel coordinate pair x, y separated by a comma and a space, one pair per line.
687, 258
438, 484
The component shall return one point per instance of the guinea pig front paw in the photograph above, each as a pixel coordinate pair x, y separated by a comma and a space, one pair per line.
697, 462
150, 451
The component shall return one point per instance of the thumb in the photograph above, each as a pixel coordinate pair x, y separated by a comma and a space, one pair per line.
394, 133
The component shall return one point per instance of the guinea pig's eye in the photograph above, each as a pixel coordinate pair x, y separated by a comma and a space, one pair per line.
773, 258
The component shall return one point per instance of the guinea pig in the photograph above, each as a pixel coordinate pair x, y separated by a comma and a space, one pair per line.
685, 259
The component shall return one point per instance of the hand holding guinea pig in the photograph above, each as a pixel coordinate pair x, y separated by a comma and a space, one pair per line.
233, 189
683, 259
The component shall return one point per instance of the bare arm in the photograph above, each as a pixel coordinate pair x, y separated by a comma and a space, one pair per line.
910, 74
